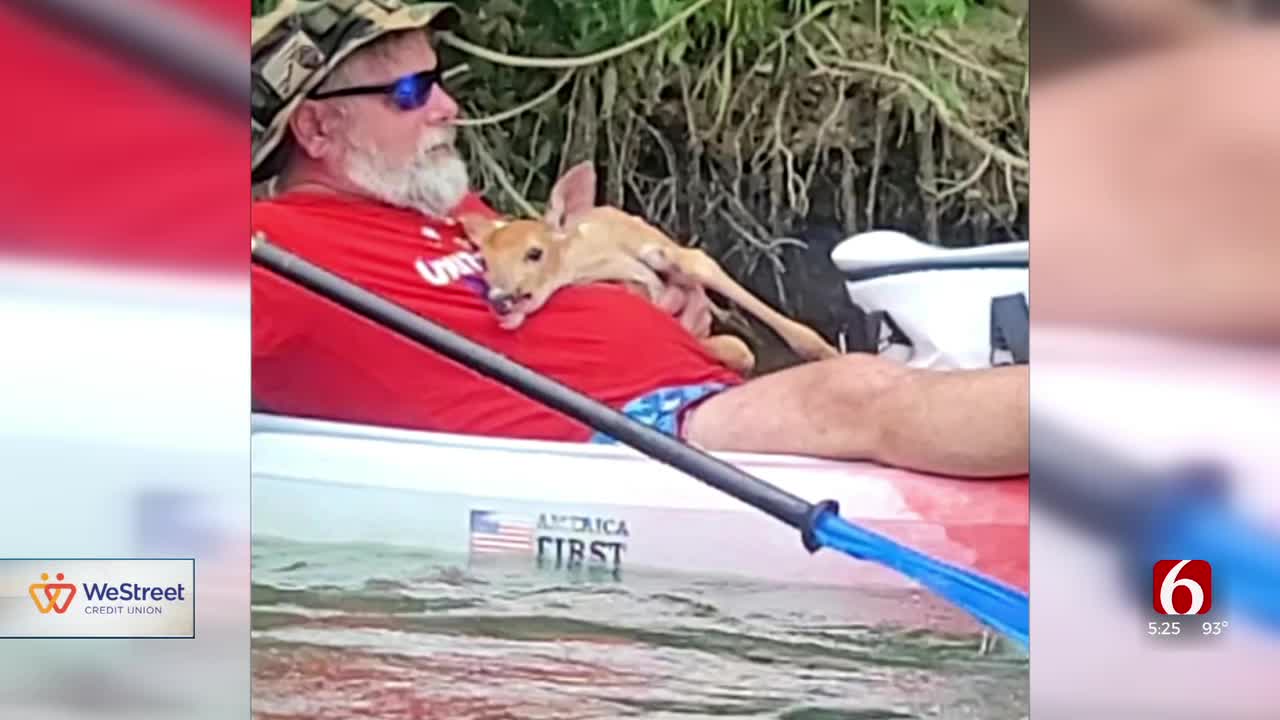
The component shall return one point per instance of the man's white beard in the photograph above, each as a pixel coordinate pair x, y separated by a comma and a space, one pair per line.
433, 181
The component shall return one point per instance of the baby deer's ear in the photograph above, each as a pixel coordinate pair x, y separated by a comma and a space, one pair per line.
478, 227
574, 193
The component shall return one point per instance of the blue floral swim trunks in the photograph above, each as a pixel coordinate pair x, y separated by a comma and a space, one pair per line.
662, 408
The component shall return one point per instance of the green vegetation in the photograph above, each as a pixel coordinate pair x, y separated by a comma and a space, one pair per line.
752, 118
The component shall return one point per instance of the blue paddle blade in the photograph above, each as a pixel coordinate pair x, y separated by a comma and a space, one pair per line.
997, 605
1244, 557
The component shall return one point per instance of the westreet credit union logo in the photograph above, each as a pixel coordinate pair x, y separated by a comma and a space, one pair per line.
52, 596
97, 597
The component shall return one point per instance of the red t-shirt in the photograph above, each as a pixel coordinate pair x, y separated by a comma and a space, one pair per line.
313, 358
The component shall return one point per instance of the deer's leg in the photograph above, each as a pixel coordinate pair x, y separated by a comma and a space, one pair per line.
806, 342
731, 351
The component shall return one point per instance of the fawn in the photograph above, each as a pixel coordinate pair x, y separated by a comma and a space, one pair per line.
577, 242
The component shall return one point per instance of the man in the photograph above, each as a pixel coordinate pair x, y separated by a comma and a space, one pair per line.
369, 183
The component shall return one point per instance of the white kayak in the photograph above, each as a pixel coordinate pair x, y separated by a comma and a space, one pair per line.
579, 507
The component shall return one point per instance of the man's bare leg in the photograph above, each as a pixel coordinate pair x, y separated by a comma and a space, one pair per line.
970, 423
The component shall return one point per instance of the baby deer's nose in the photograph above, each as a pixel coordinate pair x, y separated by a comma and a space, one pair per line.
501, 300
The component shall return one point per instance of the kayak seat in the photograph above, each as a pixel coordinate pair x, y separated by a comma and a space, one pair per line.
878, 253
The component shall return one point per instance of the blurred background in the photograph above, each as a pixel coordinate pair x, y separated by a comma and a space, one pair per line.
1156, 232
124, 362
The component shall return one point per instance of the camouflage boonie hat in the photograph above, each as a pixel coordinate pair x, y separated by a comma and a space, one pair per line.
298, 44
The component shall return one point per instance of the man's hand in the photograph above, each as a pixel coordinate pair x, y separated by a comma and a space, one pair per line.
690, 305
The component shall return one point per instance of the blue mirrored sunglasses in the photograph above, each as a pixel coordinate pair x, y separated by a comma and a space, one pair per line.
408, 93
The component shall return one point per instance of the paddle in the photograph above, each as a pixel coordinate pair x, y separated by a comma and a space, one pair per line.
1158, 514
999, 606
162, 39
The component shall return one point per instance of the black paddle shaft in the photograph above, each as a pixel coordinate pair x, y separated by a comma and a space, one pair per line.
782, 505
1107, 495
159, 38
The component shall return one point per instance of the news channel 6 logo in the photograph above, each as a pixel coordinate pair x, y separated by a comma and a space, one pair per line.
1182, 600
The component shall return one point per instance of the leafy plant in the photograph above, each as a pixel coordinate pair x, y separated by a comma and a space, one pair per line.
922, 14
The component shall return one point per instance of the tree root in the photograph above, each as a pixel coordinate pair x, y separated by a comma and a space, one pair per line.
928, 177
500, 58
521, 108
944, 113
882, 119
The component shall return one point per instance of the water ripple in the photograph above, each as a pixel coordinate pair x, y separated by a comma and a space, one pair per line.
364, 632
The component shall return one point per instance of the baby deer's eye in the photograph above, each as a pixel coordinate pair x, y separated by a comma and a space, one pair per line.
533, 255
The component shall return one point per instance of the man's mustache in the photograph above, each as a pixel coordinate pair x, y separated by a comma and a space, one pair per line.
443, 137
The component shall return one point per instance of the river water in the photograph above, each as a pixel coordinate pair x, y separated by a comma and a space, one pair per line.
359, 631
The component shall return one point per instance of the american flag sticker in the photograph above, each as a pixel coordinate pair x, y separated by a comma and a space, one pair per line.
495, 533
